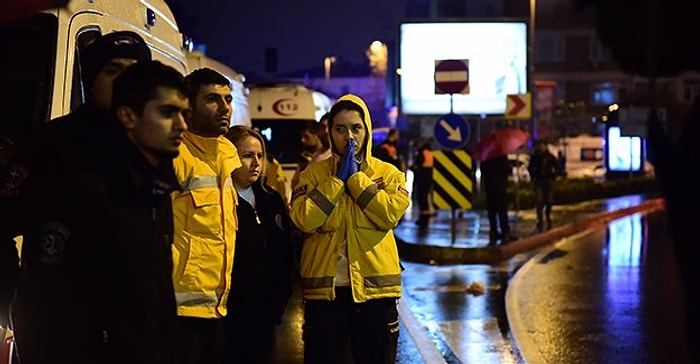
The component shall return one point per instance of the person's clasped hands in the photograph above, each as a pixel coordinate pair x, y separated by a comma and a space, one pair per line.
348, 165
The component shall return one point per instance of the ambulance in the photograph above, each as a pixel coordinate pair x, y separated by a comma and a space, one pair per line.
280, 111
41, 81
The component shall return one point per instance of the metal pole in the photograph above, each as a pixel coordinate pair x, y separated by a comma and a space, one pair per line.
531, 68
451, 104
453, 226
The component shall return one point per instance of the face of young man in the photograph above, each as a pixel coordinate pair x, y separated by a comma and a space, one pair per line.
252, 159
211, 112
157, 132
100, 94
309, 140
348, 125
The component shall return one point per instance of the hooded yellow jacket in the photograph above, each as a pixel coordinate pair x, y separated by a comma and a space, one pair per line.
205, 225
362, 213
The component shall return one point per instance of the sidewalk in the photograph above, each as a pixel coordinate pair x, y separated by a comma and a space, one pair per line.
463, 238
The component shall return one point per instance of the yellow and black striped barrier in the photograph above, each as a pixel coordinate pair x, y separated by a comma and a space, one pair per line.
452, 180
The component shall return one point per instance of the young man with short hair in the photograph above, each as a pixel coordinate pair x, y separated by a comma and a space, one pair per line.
205, 217
95, 284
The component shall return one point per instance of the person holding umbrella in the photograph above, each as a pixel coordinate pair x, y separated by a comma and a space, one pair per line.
492, 151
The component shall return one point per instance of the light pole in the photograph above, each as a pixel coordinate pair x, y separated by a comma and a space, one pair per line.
531, 68
327, 62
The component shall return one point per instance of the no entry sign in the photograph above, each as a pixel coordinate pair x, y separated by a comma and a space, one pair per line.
452, 76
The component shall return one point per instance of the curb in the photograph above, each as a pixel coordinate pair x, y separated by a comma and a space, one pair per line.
439, 255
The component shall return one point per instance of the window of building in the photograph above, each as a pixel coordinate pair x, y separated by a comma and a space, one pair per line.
550, 49
691, 90
599, 52
604, 93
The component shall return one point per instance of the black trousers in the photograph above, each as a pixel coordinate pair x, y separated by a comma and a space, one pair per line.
203, 340
497, 208
371, 328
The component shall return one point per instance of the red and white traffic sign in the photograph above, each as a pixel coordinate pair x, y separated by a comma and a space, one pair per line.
519, 106
452, 76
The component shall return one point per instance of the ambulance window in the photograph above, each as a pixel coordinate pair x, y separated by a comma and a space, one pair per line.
78, 92
26, 77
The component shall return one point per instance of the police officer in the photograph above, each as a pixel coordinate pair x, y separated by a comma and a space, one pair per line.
66, 138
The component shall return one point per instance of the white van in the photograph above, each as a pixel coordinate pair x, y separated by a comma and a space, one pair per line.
41, 80
241, 110
280, 112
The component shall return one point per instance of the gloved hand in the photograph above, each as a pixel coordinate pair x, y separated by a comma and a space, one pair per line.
348, 166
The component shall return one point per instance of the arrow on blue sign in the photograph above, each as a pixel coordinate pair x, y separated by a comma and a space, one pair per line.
451, 131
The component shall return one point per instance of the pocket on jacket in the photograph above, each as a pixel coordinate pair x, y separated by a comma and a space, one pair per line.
203, 262
206, 213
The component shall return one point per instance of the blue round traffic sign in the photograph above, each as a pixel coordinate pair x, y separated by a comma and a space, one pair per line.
451, 131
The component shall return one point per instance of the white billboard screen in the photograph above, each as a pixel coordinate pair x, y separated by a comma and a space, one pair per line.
497, 54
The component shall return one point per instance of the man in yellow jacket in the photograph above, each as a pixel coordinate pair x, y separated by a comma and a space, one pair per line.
348, 206
204, 212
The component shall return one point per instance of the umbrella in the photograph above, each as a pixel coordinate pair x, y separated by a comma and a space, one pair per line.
499, 142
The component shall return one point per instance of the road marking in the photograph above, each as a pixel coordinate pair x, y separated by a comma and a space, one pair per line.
425, 345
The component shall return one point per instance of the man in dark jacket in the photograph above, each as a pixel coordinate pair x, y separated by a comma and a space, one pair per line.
495, 172
95, 284
63, 139
544, 169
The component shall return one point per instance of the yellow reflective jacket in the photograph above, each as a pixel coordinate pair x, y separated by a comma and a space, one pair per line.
362, 212
204, 212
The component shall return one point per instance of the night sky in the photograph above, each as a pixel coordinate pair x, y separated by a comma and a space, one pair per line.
304, 32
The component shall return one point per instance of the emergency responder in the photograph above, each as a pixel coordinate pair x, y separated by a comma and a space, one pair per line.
388, 150
66, 138
95, 285
348, 206
205, 217
423, 180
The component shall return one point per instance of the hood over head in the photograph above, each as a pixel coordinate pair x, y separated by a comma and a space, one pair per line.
339, 106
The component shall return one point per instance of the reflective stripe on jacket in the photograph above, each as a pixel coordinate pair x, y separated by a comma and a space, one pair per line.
205, 225
362, 212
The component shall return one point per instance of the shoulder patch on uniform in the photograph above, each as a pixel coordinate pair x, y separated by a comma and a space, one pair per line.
403, 190
54, 236
278, 221
299, 191
12, 180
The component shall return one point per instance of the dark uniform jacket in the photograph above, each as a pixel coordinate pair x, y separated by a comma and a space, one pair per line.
543, 167
95, 284
261, 277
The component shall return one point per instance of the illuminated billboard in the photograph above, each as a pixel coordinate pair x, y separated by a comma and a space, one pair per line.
497, 55
624, 152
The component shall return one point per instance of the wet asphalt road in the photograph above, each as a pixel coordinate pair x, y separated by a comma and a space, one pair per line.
608, 296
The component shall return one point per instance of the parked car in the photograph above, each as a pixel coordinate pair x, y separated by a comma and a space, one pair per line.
593, 170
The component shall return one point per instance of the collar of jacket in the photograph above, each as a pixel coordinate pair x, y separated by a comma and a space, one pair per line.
160, 179
206, 145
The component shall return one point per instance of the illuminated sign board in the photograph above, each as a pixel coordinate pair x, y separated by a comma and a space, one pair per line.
497, 55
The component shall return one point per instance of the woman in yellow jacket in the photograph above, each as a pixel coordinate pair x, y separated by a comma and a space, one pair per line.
348, 206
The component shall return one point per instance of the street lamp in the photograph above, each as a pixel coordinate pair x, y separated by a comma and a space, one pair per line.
327, 66
378, 56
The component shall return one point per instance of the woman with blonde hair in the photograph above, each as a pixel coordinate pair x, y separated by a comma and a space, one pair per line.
261, 277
